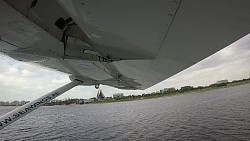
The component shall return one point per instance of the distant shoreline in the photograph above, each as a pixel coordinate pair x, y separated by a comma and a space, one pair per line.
147, 96
158, 95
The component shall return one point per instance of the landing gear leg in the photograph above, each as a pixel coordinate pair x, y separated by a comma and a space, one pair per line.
29, 107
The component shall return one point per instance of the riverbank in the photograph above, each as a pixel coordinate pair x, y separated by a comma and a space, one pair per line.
192, 90
178, 92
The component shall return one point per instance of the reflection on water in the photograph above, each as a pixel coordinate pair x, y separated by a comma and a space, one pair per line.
222, 114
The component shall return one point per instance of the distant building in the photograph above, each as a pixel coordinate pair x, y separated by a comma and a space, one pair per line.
2, 103
168, 90
100, 94
7, 103
186, 88
23, 102
200, 87
118, 95
14, 103
221, 83
80, 101
87, 101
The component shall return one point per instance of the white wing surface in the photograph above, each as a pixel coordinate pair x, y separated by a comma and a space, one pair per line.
130, 44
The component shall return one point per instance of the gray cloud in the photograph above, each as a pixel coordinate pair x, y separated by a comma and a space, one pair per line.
20, 81
230, 63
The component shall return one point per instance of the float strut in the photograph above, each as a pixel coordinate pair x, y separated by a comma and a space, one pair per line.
29, 107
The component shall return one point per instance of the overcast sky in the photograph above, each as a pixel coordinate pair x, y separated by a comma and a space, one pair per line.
21, 81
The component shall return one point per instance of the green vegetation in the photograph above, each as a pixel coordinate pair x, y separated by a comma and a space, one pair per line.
177, 92
183, 90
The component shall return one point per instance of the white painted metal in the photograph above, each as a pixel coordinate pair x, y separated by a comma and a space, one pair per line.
173, 34
16, 114
199, 29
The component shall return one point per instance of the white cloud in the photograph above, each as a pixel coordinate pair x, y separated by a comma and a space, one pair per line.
12, 70
22, 81
60, 81
26, 73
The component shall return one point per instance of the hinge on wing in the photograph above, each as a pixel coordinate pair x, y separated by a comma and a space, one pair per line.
84, 52
96, 51
74, 50
61, 23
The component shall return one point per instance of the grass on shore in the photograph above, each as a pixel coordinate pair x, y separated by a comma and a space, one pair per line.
157, 95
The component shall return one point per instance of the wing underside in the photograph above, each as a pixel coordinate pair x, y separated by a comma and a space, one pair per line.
125, 44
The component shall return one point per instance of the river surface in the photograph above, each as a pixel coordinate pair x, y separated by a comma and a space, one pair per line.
217, 115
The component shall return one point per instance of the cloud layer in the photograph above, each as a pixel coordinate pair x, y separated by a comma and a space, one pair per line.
20, 81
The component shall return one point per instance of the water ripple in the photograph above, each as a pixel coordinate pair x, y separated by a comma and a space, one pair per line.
221, 114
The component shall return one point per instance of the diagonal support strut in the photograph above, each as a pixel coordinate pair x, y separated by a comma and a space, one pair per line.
16, 114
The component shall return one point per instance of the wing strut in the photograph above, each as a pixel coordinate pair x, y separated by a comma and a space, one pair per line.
29, 107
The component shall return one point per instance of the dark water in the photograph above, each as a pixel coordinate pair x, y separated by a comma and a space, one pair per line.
222, 115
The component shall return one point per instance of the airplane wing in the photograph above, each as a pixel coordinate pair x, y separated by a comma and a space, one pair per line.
125, 44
